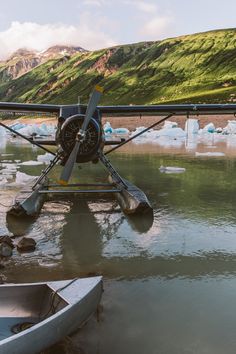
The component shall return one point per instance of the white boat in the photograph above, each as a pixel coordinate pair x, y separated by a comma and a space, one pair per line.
37, 315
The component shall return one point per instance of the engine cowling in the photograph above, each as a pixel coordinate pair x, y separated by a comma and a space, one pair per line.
94, 138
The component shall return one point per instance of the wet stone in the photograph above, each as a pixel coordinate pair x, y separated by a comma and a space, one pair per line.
6, 239
26, 244
5, 250
6, 246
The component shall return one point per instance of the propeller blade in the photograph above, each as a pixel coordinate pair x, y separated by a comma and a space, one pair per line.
68, 168
93, 102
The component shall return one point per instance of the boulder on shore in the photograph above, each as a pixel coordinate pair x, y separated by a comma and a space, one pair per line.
6, 246
26, 244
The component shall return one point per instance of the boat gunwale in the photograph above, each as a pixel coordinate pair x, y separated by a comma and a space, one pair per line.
49, 319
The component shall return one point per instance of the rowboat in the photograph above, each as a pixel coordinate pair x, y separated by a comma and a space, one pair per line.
37, 315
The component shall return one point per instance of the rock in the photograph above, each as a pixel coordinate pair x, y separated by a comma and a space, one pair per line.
6, 246
26, 244
6, 239
5, 250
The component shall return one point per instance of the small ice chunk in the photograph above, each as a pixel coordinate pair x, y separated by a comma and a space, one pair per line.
9, 166
213, 154
219, 130
209, 128
30, 163
108, 128
6, 171
22, 178
2, 132
171, 169
230, 127
3, 181
124, 131
173, 133
46, 158
168, 124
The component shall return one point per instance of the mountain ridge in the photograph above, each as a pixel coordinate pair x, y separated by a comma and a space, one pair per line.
194, 68
23, 60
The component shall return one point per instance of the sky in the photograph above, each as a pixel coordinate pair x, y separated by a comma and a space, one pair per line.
96, 24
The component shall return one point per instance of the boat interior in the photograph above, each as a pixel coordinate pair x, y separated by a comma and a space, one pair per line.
23, 306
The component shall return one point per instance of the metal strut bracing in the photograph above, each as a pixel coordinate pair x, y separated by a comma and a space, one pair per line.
114, 174
46, 171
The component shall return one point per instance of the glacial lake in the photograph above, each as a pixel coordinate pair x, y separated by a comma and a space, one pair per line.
169, 289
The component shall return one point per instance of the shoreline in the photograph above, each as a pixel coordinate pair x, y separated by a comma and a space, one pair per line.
133, 122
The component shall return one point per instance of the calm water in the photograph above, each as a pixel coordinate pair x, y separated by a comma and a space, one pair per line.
168, 290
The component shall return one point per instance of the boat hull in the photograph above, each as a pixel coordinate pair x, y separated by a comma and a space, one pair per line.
82, 298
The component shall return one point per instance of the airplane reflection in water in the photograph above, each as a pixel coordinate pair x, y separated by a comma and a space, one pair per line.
83, 237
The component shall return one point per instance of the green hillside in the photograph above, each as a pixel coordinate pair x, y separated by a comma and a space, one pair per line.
195, 68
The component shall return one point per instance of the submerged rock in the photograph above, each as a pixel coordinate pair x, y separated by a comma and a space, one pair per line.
26, 244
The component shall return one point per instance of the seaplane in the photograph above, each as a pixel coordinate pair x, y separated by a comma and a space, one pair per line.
80, 139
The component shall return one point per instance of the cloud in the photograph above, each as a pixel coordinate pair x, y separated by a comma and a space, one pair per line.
39, 37
93, 3
156, 28
146, 6
153, 24
141, 5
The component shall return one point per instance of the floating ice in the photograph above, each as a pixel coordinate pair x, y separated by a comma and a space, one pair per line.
191, 126
46, 158
213, 154
9, 166
159, 136
209, 128
17, 126
2, 132
6, 171
22, 178
121, 131
34, 129
3, 180
230, 127
169, 124
171, 169
219, 130
117, 131
30, 163
173, 133
108, 128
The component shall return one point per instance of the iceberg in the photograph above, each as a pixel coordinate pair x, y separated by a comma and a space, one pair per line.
108, 128
209, 128
230, 127
191, 126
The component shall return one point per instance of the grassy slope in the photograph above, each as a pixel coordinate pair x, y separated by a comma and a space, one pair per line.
196, 68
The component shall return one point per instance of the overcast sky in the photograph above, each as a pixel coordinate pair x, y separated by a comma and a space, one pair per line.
95, 24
